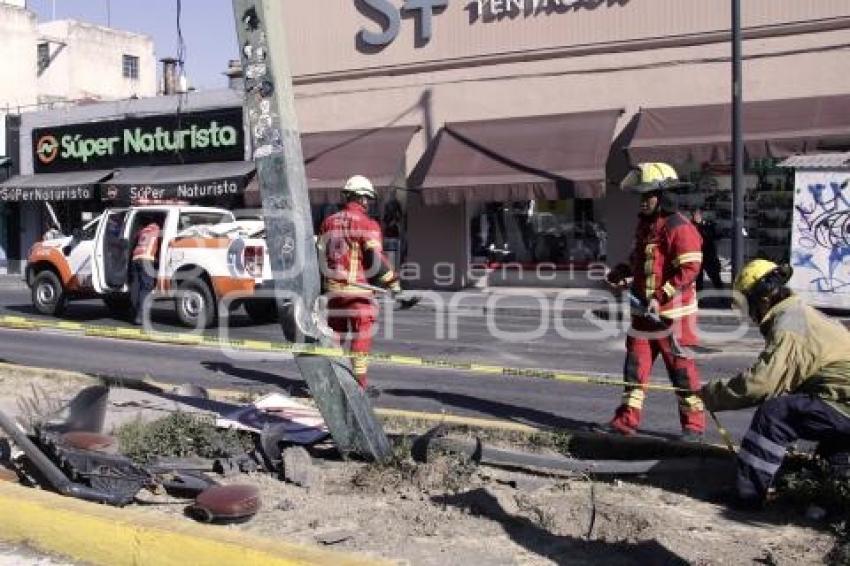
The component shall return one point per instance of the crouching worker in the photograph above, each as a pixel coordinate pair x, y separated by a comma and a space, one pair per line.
801, 381
353, 265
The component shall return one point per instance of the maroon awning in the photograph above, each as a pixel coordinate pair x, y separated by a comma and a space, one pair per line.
772, 128
330, 158
537, 157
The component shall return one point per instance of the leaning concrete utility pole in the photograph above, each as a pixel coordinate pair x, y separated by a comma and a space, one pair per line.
273, 127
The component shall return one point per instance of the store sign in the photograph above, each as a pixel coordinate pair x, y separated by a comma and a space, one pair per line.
489, 10
46, 194
385, 14
217, 188
199, 137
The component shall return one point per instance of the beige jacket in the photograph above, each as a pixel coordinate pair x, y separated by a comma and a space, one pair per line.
805, 352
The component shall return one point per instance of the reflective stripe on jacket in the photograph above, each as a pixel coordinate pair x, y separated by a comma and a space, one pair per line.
666, 262
147, 243
351, 253
805, 352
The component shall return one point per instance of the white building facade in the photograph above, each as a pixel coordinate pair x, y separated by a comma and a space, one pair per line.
56, 64
125, 63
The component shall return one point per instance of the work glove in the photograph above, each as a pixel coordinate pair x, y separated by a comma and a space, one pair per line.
618, 275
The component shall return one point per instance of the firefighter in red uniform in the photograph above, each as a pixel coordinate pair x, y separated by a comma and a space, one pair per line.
143, 267
352, 259
665, 263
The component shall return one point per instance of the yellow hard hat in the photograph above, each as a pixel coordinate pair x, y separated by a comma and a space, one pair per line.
648, 177
752, 273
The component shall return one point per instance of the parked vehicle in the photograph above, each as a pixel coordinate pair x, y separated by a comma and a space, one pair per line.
205, 256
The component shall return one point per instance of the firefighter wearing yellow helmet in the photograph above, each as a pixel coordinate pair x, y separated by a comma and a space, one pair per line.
661, 275
801, 381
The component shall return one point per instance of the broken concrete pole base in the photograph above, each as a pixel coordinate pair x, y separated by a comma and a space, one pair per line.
347, 412
298, 467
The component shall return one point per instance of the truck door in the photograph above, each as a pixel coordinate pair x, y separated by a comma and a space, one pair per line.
80, 253
111, 252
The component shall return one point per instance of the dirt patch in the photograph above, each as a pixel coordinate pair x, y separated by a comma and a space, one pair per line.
451, 511
501, 517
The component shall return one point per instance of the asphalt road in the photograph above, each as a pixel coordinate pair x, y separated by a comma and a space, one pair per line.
573, 345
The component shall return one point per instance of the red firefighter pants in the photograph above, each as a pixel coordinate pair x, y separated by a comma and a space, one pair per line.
353, 319
641, 353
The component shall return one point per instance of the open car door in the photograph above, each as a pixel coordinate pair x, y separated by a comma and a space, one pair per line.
111, 252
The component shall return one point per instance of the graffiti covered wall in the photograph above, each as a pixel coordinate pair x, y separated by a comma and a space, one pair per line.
820, 245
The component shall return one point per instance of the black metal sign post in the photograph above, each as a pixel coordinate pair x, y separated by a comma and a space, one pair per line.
270, 115
738, 188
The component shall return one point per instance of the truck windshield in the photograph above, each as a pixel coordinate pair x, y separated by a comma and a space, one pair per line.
190, 219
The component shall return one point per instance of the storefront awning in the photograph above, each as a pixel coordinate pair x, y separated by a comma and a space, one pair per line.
538, 157
71, 186
184, 182
772, 128
330, 158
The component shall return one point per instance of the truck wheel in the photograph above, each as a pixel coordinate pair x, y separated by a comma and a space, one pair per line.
48, 296
196, 306
261, 311
118, 305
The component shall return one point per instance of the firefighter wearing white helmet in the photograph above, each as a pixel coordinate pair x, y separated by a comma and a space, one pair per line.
359, 186
801, 381
352, 259
661, 275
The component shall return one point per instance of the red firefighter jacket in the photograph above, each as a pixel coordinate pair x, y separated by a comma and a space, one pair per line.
147, 243
666, 261
351, 253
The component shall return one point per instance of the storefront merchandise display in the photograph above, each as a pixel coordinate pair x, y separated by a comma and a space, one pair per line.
768, 207
559, 233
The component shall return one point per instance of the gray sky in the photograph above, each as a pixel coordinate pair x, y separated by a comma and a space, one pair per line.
208, 29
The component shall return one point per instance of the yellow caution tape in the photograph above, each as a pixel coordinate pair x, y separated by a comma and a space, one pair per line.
136, 334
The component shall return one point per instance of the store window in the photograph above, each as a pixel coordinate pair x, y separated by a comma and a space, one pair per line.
561, 232
131, 67
768, 208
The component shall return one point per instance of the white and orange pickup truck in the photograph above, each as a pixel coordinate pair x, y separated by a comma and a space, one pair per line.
207, 259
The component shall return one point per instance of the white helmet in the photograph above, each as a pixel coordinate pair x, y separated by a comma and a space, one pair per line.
360, 186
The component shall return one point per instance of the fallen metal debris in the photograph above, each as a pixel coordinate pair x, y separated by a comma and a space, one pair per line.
226, 504
335, 537
92, 441
191, 390
73, 458
433, 443
247, 463
290, 421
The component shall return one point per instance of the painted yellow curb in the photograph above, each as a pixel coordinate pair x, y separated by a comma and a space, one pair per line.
96, 534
